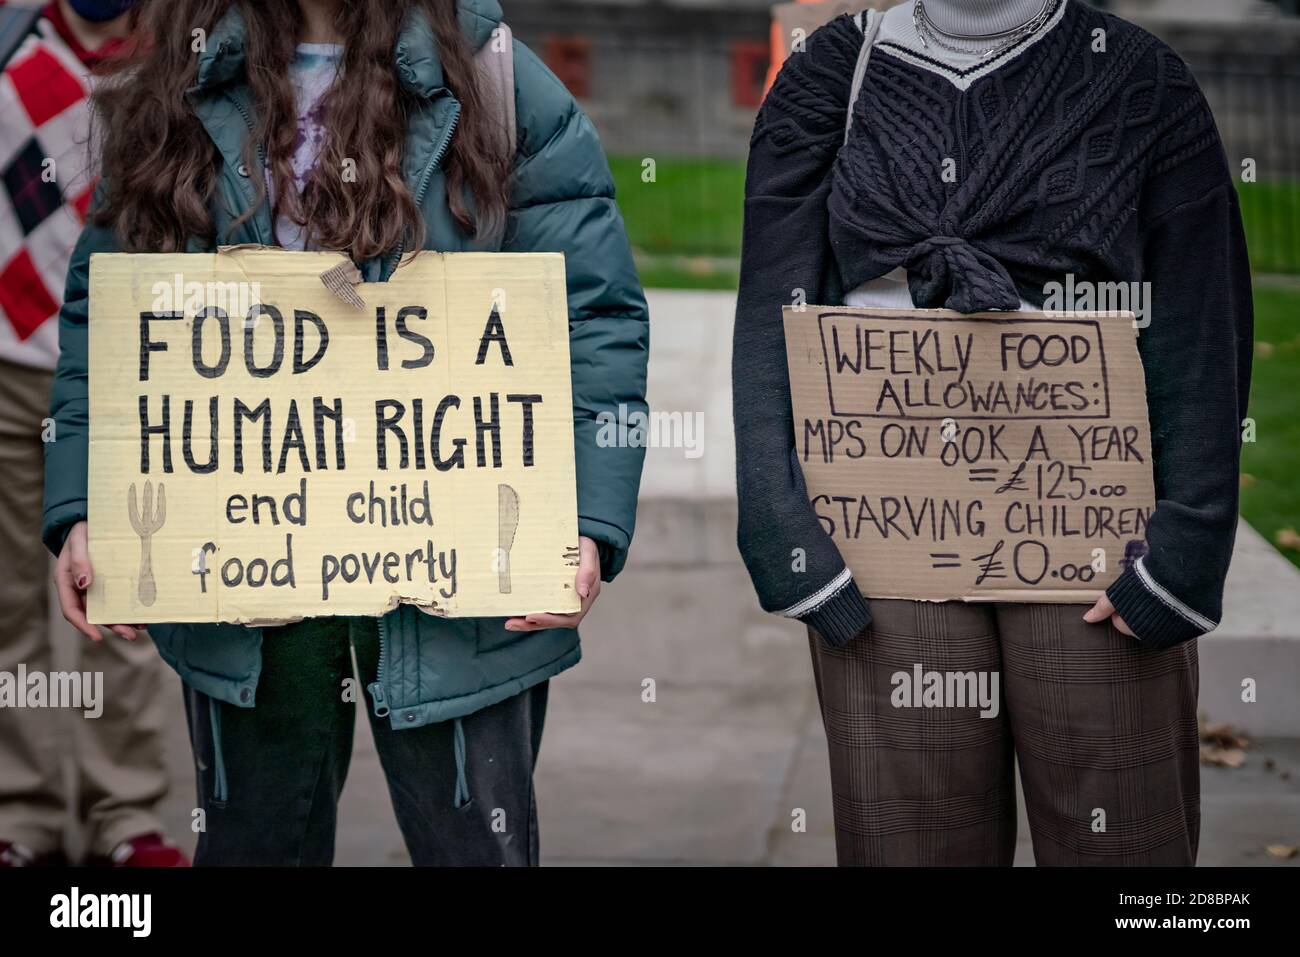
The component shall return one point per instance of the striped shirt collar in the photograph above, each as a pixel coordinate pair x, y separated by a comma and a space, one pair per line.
898, 38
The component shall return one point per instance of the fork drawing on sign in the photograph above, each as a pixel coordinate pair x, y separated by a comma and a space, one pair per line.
507, 523
145, 526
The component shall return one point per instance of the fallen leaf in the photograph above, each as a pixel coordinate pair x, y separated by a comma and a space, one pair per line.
1223, 735
1247, 480
1222, 757
1287, 538
1263, 349
1282, 852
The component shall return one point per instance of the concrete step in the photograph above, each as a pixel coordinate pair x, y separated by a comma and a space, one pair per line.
1257, 645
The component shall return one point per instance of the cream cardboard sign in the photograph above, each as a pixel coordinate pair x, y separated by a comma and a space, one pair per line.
1000, 457
261, 450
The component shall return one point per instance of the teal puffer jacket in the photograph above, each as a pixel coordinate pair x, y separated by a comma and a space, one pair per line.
562, 200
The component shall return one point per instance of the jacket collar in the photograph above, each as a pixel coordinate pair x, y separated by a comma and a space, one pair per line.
415, 55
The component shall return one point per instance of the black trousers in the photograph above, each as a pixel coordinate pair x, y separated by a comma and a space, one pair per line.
285, 762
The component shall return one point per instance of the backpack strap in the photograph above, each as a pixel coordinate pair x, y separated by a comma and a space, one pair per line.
869, 21
496, 64
16, 24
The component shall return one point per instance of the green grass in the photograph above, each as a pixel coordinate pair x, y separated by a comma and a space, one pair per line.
684, 225
1270, 496
694, 207
693, 211
1271, 214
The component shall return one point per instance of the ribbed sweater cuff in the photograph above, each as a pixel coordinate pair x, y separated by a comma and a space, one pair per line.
841, 617
1153, 617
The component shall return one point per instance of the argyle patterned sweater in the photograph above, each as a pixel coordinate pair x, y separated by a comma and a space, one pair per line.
45, 182
1088, 150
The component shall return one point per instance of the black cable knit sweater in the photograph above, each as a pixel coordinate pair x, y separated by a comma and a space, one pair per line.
1070, 159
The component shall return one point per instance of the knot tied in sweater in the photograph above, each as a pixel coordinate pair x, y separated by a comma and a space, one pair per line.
949, 272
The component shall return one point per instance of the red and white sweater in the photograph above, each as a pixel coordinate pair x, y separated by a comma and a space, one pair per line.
46, 182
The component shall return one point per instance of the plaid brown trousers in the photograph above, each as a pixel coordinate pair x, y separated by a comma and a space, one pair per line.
1104, 732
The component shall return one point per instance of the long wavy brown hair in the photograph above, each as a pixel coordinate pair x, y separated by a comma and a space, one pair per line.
160, 167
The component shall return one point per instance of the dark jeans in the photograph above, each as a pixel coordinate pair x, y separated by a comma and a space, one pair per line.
286, 759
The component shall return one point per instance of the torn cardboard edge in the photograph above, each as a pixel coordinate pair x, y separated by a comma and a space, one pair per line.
1056, 596
428, 606
341, 279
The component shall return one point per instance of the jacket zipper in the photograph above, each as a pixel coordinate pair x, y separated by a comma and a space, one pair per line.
428, 172
376, 687
261, 159
377, 693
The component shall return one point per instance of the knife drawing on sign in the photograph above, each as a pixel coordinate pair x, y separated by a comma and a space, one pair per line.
145, 527
507, 523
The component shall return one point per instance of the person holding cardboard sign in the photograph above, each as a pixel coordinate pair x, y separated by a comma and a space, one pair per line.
979, 158
375, 129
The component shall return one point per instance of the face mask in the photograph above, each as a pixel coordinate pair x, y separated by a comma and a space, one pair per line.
101, 11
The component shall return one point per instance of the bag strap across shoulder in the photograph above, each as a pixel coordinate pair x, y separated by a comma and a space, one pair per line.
496, 63
869, 20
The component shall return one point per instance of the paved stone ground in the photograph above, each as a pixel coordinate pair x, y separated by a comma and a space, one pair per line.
710, 772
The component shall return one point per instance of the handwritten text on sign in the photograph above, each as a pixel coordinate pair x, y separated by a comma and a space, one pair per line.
261, 450
991, 457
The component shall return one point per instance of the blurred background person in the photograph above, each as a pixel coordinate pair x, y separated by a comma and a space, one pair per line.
48, 54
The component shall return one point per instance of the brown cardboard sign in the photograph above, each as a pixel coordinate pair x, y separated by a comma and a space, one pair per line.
263, 450
991, 457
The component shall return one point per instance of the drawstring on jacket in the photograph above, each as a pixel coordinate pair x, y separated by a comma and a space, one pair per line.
461, 797
220, 790
462, 785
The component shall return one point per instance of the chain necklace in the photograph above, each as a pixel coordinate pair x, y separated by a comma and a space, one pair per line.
929, 33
